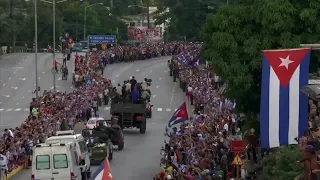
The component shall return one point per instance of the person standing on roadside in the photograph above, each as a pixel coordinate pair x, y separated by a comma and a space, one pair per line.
106, 96
3, 166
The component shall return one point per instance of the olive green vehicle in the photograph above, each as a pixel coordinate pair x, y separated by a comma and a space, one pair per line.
98, 148
129, 115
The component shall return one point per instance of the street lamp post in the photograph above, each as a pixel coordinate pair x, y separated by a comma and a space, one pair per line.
36, 44
53, 37
85, 18
54, 42
148, 11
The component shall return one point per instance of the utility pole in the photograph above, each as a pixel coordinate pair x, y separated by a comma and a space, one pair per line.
111, 3
148, 13
36, 44
76, 31
54, 42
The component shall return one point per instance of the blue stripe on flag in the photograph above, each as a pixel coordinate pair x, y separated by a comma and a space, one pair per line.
284, 115
101, 167
303, 102
264, 107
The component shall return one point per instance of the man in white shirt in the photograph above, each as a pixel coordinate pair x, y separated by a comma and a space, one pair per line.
76, 79
106, 96
226, 126
189, 92
3, 166
9, 133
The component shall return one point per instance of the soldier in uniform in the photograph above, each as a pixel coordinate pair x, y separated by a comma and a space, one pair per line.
175, 73
170, 64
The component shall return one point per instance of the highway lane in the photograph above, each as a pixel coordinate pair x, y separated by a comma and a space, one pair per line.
139, 160
17, 82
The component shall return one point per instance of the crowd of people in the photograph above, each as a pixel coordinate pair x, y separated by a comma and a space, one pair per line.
54, 111
200, 148
130, 53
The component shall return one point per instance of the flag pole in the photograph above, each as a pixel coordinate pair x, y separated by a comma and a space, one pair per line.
190, 137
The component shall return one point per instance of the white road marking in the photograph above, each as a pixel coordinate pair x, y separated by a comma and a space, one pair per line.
9, 110
39, 78
7, 96
22, 97
22, 79
113, 81
18, 109
117, 75
18, 68
106, 108
4, 84
138, 70
30, 90
15, 88
160, 78
26, 109
146, 75
43, 72
157, 86
17, 104
9, 78
1, 110
59, 78
168, 109
159, 109
71, 87
165, 71
14, 72
34, 84
154, 96
172, 94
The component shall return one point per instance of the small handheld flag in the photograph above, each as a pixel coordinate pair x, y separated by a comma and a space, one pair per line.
284, 109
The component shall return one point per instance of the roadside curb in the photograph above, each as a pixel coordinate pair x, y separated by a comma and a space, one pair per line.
14, 172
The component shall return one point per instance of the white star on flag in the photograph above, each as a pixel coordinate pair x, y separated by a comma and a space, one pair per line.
285, 62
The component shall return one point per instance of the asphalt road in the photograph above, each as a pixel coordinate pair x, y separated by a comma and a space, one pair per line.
18, 81
139, 160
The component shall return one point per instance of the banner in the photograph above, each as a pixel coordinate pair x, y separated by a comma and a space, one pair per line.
143, 34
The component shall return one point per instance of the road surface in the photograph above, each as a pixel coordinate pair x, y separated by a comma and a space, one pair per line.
139, 160
17, 82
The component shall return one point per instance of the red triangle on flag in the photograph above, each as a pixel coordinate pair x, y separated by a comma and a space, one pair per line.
183, 112
107, 171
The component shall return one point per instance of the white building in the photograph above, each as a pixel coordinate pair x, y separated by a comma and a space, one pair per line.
141, 20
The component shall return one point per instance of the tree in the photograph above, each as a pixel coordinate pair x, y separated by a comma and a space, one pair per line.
281, 165
236, 34
185, 17
17, 20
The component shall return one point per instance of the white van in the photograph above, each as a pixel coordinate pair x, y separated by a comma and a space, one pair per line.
56, 161
81, 147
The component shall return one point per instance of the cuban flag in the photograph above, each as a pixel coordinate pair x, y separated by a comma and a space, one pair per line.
103, 172
178, 117
197, 63
283, 109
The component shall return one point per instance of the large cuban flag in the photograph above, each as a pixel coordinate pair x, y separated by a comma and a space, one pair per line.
103, 172
284, 109
178, 117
